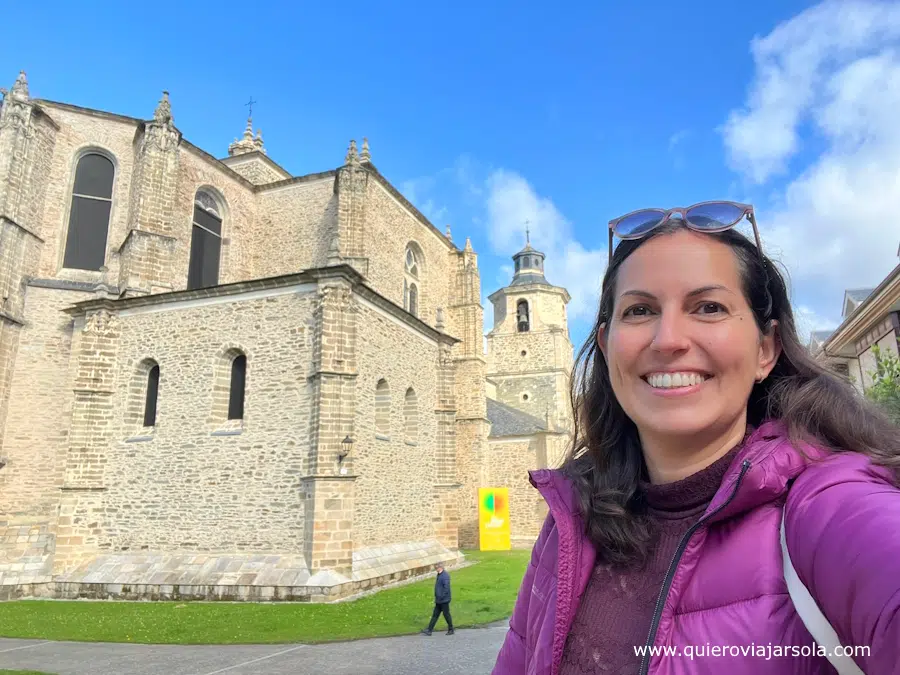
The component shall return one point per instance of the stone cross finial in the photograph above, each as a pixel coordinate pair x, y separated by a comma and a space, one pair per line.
449, 236
365, 155
351, 157
247, 143
163, 112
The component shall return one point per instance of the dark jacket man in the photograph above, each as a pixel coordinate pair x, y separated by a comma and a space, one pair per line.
442, 587
441, 601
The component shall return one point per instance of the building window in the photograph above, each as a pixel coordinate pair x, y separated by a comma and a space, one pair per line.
522, 319
411, 416
382, 408
206, 243
89, 214
236, 391
412, 279
413, 300
150, 398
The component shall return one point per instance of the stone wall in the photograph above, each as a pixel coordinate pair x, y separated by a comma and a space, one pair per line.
389, 228
396, 472
239, 229
78, 133
296, 224
507, 464
37, 425
199, 482
26, 553
546, 308
255, 169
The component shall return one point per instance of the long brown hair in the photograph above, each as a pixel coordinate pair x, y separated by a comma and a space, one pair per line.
605, 461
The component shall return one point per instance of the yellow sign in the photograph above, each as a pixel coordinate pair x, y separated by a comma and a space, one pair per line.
493, 519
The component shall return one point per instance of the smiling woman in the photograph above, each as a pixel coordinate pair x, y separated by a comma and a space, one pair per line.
706, 440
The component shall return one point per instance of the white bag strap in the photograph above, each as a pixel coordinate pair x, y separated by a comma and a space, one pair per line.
816, 623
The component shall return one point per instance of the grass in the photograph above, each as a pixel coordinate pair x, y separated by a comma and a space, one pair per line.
482, 593
22, 672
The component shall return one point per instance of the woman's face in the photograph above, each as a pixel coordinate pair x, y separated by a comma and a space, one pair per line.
682, 345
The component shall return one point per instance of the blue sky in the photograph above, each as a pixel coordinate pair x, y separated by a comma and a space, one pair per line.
562, 115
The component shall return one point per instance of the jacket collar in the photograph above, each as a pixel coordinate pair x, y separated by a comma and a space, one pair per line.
774, 460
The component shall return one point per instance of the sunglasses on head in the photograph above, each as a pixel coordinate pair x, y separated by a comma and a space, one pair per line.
702, 217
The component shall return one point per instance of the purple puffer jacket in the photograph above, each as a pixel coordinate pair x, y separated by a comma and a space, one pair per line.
726, 588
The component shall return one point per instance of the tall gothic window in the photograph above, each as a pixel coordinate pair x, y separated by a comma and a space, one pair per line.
411, 279
236, 391
206, 243
89, 215
151, 396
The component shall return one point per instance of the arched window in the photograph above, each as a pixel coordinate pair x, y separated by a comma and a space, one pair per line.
150, 398
523, 321
412, 262
411, 416
413, 300
89, 214
382, 408
236, 390
206, 242
412, 278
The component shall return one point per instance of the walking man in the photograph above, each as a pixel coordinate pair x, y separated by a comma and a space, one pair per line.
441, 600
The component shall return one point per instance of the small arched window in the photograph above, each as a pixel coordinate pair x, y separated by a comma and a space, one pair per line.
382, 408
236, 390
206, 242
411, 416
523, 321
89, 214
151, 396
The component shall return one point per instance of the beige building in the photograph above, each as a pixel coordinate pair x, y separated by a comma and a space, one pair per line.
218, 380
870, 318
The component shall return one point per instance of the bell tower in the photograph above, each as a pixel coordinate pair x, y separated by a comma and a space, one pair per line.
529, 350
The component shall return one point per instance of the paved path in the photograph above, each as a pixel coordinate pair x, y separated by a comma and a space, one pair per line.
470, 651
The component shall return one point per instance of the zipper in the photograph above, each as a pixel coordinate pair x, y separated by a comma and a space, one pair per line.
670, 573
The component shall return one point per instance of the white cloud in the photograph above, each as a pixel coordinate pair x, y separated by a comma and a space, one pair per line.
511, 201
828, 77
677, 138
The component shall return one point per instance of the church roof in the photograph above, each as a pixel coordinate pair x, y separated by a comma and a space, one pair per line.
507, 421
530, 278
529, 249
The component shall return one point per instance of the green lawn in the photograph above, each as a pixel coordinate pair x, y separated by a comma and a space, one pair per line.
482, 593
22, 672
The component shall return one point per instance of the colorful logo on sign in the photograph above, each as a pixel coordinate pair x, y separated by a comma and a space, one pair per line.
493, 519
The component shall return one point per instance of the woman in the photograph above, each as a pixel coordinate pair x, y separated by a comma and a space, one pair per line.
702, 422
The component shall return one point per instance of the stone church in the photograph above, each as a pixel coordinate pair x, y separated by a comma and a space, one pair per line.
222, 381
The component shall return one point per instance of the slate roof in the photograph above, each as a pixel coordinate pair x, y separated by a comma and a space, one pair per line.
528, 278
507, 421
